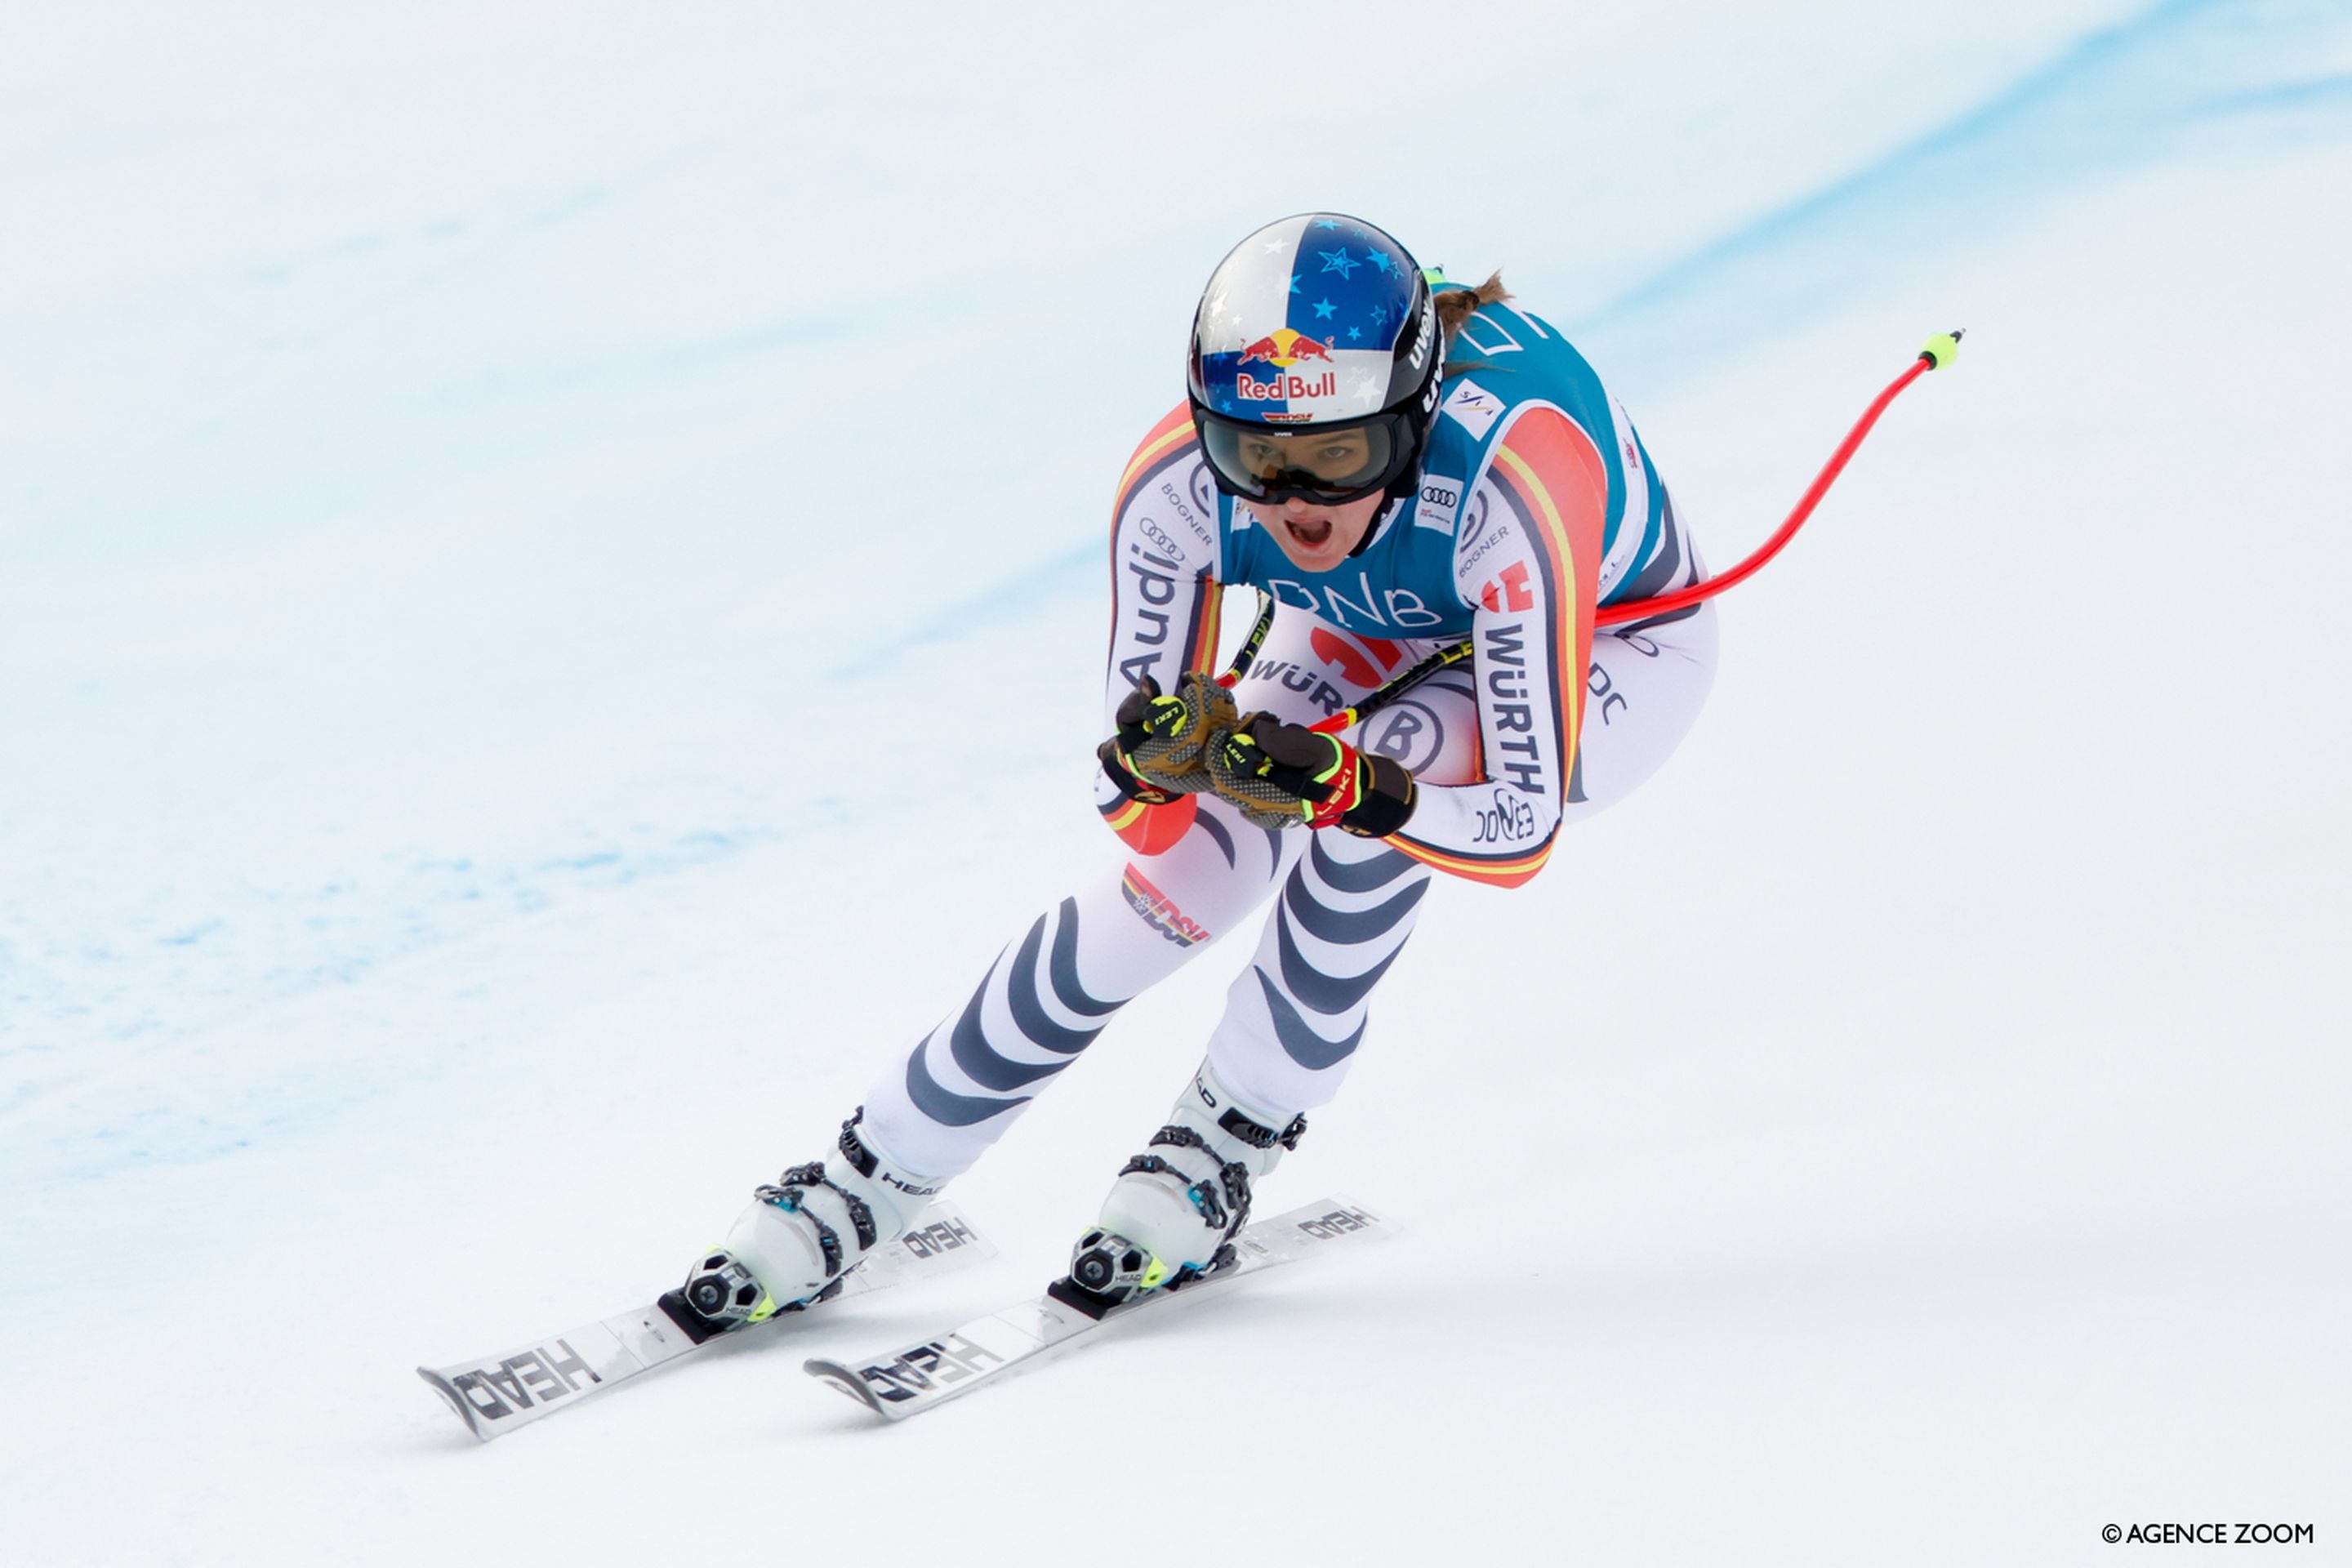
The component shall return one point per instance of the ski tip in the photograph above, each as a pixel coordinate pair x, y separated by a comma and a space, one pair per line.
836, 1375
449, 1396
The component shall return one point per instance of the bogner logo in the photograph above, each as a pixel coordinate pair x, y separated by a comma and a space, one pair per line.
933, 1239
920, 1370
520, 1381
1339, 1221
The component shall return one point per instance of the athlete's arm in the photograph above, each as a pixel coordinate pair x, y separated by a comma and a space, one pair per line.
1531, 566
1164, 566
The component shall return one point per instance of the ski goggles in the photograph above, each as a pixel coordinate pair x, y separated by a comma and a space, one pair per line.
1330, 464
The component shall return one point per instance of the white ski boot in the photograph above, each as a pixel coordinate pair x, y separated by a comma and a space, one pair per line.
789, 1249
1174, 1212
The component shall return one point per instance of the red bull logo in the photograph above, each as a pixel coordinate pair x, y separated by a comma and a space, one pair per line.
1279, 388
1285, 348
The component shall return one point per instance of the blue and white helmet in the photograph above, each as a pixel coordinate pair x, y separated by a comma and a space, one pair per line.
1315, 362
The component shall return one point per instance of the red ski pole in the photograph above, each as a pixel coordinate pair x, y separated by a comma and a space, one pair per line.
1941, 350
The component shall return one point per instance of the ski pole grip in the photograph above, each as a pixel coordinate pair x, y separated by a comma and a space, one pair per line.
1942, 349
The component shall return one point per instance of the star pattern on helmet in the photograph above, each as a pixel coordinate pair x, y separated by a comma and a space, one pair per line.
1354, 318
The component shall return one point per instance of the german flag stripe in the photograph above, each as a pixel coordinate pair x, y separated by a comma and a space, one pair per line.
1165, 437
1151, 830
1492, 873
1165, 445
1155, 829
1201, 642
1122, 813
1554, 480
1562, 486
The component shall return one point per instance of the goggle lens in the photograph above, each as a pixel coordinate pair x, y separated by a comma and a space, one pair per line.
1334, 464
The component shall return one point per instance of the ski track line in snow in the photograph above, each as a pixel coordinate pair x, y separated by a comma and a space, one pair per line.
2117, 99
2121, 98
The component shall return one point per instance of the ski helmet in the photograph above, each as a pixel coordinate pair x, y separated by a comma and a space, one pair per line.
1315, 363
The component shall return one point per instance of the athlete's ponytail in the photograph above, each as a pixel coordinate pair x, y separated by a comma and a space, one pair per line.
1455, 306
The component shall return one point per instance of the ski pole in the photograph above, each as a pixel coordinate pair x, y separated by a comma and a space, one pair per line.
1246, 654
1939, 352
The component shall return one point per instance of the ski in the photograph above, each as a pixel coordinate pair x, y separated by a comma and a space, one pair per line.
498, 1394
899, 1384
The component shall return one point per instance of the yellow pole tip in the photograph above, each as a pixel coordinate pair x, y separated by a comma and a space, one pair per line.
1942, 349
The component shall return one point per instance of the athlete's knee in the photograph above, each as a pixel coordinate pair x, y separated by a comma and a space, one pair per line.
1433, 730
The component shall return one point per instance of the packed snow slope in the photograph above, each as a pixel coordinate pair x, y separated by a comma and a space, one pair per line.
550, 619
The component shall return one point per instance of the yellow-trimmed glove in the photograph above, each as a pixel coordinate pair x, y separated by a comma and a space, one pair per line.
1158, 752
1287, 775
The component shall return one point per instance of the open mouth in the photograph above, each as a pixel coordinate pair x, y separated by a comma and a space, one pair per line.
1313, 532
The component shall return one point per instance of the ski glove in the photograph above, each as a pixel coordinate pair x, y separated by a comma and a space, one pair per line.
1158, 752
1283, 775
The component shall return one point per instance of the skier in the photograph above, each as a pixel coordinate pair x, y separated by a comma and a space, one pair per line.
1397, 463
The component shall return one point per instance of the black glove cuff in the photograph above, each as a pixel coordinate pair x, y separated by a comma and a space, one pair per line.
1126, 782
1288, 757
1384, 801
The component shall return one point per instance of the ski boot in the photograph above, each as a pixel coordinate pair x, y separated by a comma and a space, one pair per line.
1172, 1214
790, 1247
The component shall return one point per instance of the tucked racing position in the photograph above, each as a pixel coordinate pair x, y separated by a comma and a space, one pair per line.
1399, 466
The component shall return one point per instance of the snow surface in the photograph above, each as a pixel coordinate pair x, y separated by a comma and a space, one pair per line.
501, 506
